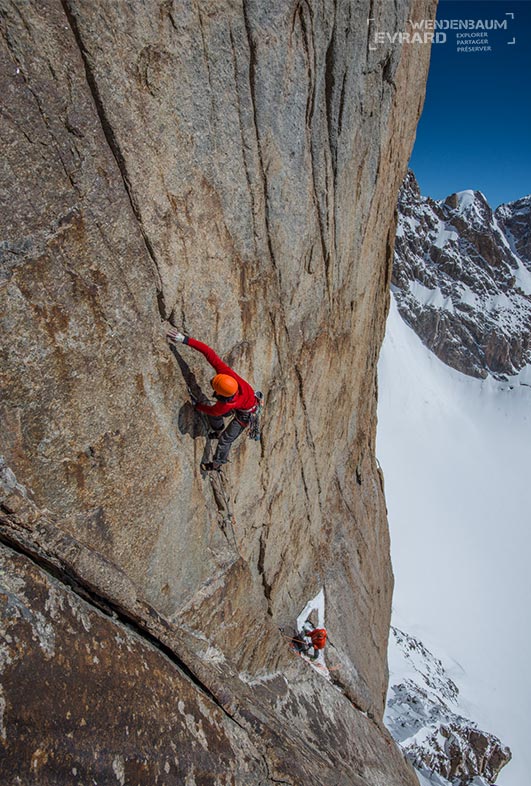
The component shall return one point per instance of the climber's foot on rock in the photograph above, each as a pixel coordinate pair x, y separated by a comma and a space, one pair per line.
210, 466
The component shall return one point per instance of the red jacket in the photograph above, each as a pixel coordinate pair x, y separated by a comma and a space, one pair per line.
243, 399
318, 637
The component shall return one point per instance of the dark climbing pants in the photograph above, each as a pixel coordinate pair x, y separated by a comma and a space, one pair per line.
229, 435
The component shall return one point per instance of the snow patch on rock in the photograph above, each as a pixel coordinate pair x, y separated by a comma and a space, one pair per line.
316, 605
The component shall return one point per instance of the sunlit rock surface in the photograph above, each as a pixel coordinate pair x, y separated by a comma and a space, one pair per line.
232, 168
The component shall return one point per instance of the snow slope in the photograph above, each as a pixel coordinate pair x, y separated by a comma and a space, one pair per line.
424, 715
456, 455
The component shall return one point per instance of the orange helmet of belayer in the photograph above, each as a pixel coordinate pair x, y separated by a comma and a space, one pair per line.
224, 385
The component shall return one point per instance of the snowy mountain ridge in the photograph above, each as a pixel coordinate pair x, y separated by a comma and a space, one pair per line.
424, 716
462, 278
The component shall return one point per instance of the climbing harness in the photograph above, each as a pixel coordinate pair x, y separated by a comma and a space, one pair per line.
217, 482
250, 418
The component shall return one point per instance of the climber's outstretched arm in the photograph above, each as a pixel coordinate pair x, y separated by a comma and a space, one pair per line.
215, 361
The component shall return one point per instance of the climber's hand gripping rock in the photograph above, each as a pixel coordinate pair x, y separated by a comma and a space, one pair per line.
174, 336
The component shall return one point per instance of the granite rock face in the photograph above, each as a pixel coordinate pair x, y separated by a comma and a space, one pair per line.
462, 279
97, 683
231, 168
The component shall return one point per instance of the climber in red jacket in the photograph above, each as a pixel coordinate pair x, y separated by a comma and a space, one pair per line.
310, 637
318, 639
234, 396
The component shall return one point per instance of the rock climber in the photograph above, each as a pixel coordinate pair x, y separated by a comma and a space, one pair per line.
317, 640
234, 396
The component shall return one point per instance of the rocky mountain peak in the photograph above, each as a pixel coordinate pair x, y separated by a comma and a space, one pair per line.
468, 203
462, 278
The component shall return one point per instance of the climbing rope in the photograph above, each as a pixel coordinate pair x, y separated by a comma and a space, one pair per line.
292, 638
217, 482
217, 479
225, 513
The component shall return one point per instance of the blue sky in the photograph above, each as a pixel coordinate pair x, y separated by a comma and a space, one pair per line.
475, 130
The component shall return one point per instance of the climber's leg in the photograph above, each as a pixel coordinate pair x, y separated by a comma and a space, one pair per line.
216, 425
232, 432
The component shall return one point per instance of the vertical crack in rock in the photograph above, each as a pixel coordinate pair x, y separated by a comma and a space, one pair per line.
106, 606
304, 15
370, 19
115, 150
329, 92
335, 74
267, 585
262, 571
242, 137
310, 56
307, 38
252, 90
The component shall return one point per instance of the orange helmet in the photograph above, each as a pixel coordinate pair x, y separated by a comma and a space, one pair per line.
224, 385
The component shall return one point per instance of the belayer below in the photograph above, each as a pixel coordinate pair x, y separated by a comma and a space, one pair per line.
317, 640
234, 396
